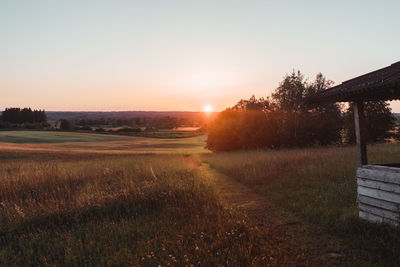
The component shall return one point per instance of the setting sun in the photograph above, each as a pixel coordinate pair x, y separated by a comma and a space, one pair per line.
208, 108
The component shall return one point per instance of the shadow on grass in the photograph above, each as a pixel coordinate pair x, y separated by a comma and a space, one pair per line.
374, 242
115, 210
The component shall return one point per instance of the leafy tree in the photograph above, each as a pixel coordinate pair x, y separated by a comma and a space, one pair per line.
223, 133
302, 127
252, 104
324, 123
379, 121
278, 121
290, 92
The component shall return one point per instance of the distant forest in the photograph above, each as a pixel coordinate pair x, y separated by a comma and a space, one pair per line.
280, 121
25, 117
133, 119
130, 120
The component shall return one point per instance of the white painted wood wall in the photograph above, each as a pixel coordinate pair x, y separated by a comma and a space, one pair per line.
379, 193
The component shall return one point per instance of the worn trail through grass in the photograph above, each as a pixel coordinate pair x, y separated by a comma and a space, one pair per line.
283, 230
238, 196
279, 230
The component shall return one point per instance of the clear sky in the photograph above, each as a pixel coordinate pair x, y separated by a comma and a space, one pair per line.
183, 55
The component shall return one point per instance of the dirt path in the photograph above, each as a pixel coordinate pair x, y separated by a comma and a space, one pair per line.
238, 196
282, 232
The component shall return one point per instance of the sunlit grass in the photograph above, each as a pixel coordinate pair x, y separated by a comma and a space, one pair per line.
138, 210
54, 141
44, 137
86, 208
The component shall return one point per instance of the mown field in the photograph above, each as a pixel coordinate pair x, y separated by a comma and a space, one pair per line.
146, 202
58, 141
45, 137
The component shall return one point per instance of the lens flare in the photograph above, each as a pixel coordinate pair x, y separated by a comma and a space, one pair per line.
208, 108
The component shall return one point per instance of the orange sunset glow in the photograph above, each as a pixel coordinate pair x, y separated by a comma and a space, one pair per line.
199, 133
171, 56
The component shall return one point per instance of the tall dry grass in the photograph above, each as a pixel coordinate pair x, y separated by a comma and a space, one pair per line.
319, 185
137, 210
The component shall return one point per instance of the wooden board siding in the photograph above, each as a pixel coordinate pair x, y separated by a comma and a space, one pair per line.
379, 193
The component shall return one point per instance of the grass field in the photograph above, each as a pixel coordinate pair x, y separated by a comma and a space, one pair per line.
56, 141
319, 186
45, 137
146, 202
145, 210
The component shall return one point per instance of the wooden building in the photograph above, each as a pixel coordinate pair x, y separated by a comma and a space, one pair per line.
378, 185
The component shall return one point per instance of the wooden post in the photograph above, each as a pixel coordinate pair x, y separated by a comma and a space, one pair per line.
359, 122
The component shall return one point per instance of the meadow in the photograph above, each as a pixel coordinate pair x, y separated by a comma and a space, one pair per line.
143, 210
45, 137
149, 202
78, 142
318, 185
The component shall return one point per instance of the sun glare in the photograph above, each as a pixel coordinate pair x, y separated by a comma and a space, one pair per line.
208, 108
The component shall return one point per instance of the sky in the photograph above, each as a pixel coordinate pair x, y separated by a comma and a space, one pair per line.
183, 55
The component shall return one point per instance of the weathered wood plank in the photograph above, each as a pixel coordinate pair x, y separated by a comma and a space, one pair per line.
387, 176
389, 187
381, 168
376, 193
379, 193
379, 212
378, 203
374, 218
359, 123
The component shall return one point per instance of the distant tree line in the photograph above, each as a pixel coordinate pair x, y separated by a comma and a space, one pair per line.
280, 121
23, 118
18, 115
130, 124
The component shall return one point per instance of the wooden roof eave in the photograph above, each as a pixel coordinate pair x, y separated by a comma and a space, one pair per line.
382, 84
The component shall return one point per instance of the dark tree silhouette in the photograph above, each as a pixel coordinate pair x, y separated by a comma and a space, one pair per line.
379, 121
25, 115
278, 121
